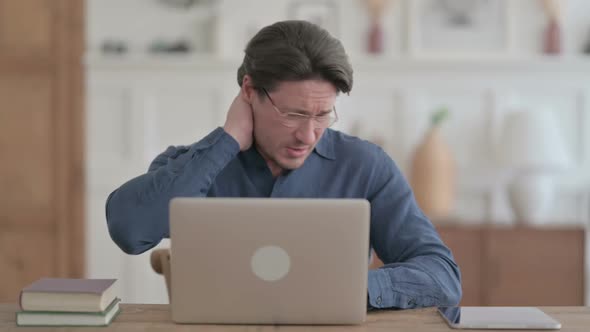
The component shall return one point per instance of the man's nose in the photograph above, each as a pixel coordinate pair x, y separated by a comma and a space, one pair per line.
306, 132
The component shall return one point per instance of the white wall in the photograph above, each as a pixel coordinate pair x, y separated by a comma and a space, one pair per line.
133, 103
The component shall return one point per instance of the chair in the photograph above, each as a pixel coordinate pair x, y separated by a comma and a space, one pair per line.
160, 261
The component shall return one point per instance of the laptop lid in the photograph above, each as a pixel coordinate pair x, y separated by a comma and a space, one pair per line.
269, 261
498, 318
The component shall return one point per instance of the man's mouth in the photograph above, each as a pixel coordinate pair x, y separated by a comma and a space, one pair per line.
296, 152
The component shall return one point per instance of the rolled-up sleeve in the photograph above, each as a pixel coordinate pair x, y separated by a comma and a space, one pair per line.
137, 212
419, 270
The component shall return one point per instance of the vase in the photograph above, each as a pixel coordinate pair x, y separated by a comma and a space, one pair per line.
553, 38
530, 196
433, 176
375, 45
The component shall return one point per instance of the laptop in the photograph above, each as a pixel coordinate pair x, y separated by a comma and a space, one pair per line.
498, 318
269, 260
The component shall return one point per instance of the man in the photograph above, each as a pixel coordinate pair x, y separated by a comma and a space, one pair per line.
276, 142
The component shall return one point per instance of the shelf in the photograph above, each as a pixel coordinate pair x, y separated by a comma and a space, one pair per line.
524, 63
563, 63
159, 61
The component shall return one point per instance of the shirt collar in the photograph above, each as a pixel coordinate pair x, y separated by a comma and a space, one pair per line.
252, 157
325, 147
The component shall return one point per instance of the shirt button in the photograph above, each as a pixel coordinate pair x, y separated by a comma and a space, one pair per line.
379, 300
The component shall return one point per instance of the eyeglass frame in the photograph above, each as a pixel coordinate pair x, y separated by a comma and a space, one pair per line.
301, 116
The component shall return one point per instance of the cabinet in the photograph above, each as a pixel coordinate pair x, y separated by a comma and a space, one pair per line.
517, 266
504, 266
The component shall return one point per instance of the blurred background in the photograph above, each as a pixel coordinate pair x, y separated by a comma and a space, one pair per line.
483, 104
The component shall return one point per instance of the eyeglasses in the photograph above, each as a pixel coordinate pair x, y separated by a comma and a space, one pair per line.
294, 120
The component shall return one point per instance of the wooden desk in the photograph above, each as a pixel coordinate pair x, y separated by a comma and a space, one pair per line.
156, 317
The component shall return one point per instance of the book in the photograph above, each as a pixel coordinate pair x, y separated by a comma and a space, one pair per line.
69, 295
47, 318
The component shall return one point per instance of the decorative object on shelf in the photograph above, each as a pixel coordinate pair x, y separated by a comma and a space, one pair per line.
205, 31
552, 36
432, 174
587, 47
533, 148
321, 12
184, 4
375, 35
206, 27
112, 46
164, 46
459, 27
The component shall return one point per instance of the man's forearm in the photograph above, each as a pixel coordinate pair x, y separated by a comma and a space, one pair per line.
137, 212
422, 281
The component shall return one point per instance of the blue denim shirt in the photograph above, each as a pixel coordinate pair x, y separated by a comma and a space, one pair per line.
419, 269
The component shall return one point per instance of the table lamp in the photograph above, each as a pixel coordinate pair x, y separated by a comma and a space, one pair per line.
533, 148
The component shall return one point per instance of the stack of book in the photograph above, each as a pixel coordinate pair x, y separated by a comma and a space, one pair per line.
68, 302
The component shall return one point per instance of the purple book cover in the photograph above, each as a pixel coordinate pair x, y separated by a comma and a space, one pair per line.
63, 285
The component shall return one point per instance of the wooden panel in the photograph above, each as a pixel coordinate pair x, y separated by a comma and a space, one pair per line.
42, 141
69, 137
26, 142
24, 257
26, 27
465, 244
535, 267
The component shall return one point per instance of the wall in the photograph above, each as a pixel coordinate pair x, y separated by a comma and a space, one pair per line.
134, 103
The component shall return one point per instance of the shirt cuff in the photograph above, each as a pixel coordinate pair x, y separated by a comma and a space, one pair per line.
224, 149
382, 295
379, 287
221, 136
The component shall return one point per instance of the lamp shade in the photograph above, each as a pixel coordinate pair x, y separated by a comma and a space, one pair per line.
531, 141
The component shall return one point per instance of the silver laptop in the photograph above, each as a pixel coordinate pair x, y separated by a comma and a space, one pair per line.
498, 318
269, 261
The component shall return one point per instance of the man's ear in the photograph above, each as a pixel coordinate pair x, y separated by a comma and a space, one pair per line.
247, 89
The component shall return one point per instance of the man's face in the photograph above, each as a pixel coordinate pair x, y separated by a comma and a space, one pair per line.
284, 147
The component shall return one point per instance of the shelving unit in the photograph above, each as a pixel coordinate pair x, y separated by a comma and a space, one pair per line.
576, 63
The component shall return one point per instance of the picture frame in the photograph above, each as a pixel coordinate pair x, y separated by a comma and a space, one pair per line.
460, 28
321, 12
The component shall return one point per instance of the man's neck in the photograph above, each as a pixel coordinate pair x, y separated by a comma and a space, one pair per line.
275, 169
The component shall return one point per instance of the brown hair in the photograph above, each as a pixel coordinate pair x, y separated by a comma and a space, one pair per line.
294, 51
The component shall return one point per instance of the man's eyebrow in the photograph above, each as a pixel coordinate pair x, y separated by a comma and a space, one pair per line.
299, 111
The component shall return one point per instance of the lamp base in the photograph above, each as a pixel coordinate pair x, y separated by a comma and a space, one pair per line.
530, 197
